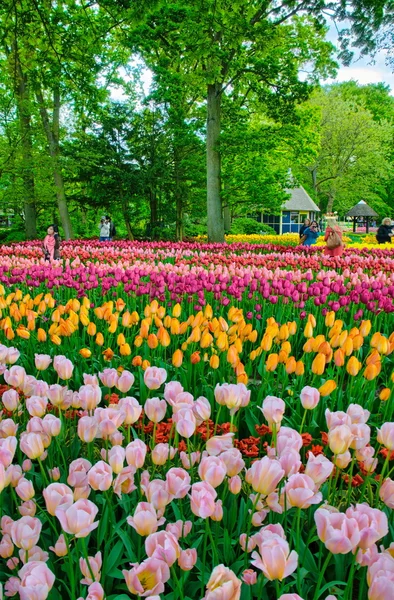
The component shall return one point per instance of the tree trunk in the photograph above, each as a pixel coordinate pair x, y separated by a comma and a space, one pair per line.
52, 135
330, 202
124, 206
227, 218
22, 94
214, 201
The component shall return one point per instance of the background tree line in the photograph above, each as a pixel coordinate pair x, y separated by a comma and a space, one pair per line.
234, 106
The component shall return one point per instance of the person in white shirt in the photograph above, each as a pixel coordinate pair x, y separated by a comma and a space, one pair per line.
104, 230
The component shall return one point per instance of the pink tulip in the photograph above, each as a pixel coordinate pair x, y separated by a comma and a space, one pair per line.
13, 475
36, 406
185, 422
161, 453
202, 409
273, 411
293, 597
383, 565
386, 492
15, 376
78, 519
42, 361
382, 587
100, 476
51, 425
8, 428
288, 438
290, 461
219, 443
28, 508
249, 577
36, 581
109, 377
235, 484
154, 377
6, 525
163, 545
213, 470
365, 558
95, 563
131, 408
334, 419
264, 475
125, 381
202, 499
187, 559
87, 429
180, 529
342, 460
7, 450
32, 445
171, 391
194, 458
10, 399
25, 532
89, 396
57, 495
6, 546
274, 558
90, 379
372, 523
357, 413
60, 548
339, 439
233, 460
35, 553
25, 489
217, 514
155, 409
95, 592
339, 533
386, 436
318, 468
13, 584
12, 356
56, 394
145, 519
178, 482
157, 494
116, 458
361, 435
64, 368
310, 397
124, 482
82, 492
136, 453
234, 396
148, 578
78, 472
301, 491
223, 585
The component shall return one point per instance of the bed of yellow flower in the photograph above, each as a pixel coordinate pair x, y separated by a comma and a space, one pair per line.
231, 442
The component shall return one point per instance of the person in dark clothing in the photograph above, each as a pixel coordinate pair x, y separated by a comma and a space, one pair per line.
305, 225
385, 232
57, 241
112, 228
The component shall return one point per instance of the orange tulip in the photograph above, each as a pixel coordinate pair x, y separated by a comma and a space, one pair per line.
41, 335
339, 357
312, 320
253, 355
222, 341
343, 337
9, 333
126, 319
120, 304
195, 335
84, 319
206, 340
145, 364
318, 341
144, 330
370, 372
158, 322
138, 341
385, 394
353, 366
195, 357
292, 327
272, 362
22, 332
383, 345
137, 361
113, 324
99, 339
327, 388
308, 346
252, 337
266, 343
291, 365
232, 356
175, 326
108, 354
374, 357
319, 364
153, 342
177, 358
286, 347
283, 332
55, 339
358, 341
161, 311
91, 329
85, 353
282, 356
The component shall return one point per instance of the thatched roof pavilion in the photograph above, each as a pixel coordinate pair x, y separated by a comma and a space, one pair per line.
361, 209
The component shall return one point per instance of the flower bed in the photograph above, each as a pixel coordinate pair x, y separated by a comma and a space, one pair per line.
192, 421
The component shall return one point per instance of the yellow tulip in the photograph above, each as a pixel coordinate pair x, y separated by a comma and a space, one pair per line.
266, 343
55, 339
309, 345
252, 337
22, 332
308, 330
272, 362
85, 353
120, 340
41, 335
222, 341
312, 320
327, 388
330, 319
353, 366
214, 361
286, 347
99, 339
319, 364
365, 328
206, 340
126, 319
358, 341
242, 378
385, 394
176, 311
125, 349
348, 346
300, 368
145, 364
283, 332
91, 329
292, 327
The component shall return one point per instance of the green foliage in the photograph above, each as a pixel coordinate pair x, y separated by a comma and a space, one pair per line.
250, 226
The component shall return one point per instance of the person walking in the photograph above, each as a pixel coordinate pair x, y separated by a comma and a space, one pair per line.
112, 228
333, 238
311, 234
104, 230
385, 232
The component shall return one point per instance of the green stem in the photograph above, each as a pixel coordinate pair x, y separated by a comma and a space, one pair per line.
86, 557
204, 557
321, 575
249, 528
71, 573
178, 583
303, 420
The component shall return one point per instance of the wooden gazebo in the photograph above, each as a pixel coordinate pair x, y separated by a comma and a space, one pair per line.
361, 210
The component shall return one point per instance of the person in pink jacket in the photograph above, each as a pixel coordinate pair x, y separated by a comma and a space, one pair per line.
333, 227
49, 244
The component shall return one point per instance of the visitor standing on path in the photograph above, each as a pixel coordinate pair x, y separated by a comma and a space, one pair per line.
304, 226
51, 252
385, 232
104, 230
112, 228
333, 238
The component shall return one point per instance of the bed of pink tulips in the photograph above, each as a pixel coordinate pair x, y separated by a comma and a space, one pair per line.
128, 475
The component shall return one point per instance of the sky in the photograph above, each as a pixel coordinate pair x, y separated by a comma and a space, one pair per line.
364, 70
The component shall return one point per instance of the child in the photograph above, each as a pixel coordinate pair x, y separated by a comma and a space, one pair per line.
49, 244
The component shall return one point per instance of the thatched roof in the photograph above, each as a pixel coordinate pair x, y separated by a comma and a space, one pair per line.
300, 200
361, 210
